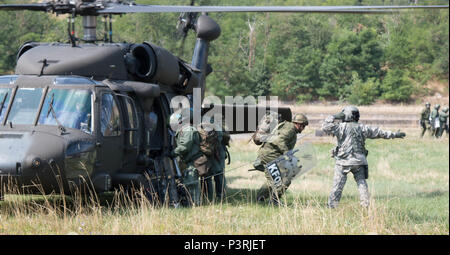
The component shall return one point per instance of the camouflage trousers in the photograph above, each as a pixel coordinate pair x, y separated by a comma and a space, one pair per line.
268, 191
213, 181
340, 178
440, 131
191, 181
425, 125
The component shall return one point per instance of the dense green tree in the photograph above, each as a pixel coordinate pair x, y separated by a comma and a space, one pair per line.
396, 86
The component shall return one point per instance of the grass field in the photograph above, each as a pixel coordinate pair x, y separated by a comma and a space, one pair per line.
409, 186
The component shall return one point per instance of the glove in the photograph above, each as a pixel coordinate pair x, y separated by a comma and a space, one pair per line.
171, 154
399, 134
339, 116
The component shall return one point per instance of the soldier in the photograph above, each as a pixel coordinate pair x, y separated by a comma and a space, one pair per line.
218, 168
188, 151
216, 160
425, 119
434, 120
443, 116
283, 139
209, 146
350, 153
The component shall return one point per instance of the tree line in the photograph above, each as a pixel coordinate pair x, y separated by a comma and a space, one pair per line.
295, 56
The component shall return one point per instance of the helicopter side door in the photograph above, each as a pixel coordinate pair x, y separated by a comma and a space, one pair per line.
131, 133
110, 134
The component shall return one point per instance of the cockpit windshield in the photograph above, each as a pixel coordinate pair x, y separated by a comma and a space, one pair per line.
71, 108
5, 95
25, 106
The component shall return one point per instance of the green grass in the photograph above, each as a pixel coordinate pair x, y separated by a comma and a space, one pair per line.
409, 186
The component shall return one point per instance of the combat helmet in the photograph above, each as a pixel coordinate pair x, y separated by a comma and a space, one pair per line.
445, 109
427, 104
351, 114
437, 106
301, 119
180, 117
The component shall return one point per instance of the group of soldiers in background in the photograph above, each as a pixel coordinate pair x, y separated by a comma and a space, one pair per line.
201, 152
434, 121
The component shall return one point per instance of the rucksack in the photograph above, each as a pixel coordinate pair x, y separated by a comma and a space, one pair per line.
209, 139
266, 125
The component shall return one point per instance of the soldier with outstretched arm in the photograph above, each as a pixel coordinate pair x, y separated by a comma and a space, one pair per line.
350, 153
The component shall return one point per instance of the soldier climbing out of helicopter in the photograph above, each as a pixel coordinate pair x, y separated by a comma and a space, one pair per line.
350, 153
281, 140
188, 151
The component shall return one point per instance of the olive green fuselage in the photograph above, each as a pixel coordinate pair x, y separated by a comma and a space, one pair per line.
61, 132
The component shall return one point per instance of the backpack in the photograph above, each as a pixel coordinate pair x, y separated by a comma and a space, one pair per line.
209, 139
226, 138
266, 125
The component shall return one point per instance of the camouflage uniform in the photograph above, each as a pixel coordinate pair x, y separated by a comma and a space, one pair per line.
350, 155
218, 164
443, 116
188, 151
282, 140
433, 116
425, 119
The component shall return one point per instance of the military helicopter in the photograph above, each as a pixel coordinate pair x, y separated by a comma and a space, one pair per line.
94, 112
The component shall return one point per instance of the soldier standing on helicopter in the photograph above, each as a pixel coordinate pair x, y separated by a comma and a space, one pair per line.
282, 140
350, 153
188, 151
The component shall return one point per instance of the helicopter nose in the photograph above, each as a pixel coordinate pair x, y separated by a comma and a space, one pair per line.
30, 158
12, 153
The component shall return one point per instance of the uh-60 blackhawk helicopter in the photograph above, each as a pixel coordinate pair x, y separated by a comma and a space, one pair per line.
95, 112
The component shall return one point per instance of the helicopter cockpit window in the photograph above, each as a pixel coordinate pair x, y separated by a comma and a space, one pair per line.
71, 108
110, 118
5, 95
25, 106
8, 79
73, 81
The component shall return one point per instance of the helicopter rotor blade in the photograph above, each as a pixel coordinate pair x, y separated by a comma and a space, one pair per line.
122, 9
89, 7
27, 7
